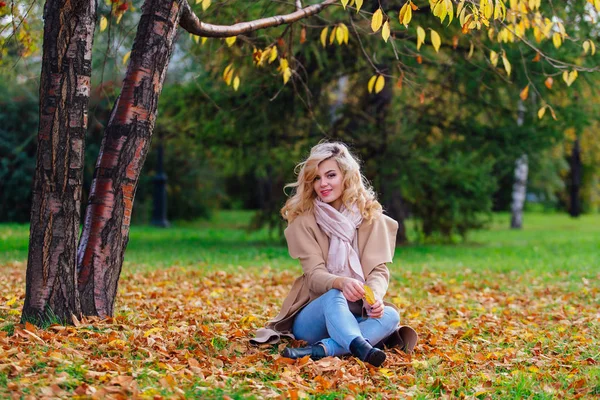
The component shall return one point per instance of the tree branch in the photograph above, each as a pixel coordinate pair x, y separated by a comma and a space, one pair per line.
191, 23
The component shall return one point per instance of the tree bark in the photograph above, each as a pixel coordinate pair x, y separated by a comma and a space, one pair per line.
576, 170
51, 290
519, 191
122, 155
520, 183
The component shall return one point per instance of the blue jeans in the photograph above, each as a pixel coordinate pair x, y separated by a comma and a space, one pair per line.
328, 321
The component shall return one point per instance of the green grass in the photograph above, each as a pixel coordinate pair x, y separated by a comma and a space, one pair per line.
551, 245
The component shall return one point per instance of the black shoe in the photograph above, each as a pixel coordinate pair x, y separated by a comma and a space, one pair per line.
364, 351
315, 352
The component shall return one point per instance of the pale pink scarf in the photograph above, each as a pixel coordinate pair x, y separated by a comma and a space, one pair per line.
340, 227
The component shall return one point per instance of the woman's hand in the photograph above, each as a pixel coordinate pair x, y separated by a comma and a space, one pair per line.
376, 309
352, 289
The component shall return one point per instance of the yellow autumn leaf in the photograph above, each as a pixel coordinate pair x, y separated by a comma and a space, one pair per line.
104, 23
152, 331
344, 29
471, 50
230, 40
506, 63
377, 20
386, 372
486, 8
371, 83
369, 295
205, 4
420, 37
385, 31
405, 14
11, 301
287, 74
450, 10
557, 40
339, 35
589, 45
324, 36
226, 71
345, 3
359, 4
228, 74
524, 93
203, 39
332, 35
126, 57
195, 38
493, 58
236, 82
541, 112
436, 41
273, 54
569, 77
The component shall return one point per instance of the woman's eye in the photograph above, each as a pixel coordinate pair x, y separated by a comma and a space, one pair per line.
317, 178
331, 176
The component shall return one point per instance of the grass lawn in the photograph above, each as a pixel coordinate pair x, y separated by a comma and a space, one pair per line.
507, 314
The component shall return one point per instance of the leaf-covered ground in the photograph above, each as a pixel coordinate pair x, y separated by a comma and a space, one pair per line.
180, 332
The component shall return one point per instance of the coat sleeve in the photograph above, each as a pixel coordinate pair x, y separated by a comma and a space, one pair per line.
377, 252
378, 280
303, 245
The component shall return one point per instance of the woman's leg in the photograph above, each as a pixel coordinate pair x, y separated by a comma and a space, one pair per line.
372, 329
377, 329
328, 320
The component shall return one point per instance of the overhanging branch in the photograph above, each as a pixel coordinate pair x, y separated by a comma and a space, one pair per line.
190, 22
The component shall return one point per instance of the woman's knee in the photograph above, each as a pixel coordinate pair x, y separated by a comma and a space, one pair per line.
390, 318
333, 294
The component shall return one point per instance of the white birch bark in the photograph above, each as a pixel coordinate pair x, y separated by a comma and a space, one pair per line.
520, 183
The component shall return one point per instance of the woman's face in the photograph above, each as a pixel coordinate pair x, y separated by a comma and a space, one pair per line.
328, 183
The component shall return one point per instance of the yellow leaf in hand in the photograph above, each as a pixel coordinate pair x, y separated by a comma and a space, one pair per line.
369, 295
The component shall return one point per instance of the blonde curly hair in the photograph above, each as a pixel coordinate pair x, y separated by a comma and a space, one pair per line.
357, 190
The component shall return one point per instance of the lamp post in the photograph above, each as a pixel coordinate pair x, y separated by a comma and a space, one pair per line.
159, 203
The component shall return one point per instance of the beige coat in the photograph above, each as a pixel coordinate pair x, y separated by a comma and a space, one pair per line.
310, 245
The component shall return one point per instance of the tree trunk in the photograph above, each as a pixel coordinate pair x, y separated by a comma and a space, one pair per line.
519, 191
575, 205
122, 154
51, 290
395, 208
520, 183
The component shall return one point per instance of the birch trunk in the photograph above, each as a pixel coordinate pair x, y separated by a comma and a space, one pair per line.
122, 155
51, 290
520, 183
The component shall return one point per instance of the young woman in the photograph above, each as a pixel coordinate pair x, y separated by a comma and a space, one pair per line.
343, 241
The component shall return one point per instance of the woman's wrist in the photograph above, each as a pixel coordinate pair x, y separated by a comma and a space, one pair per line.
339, 283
